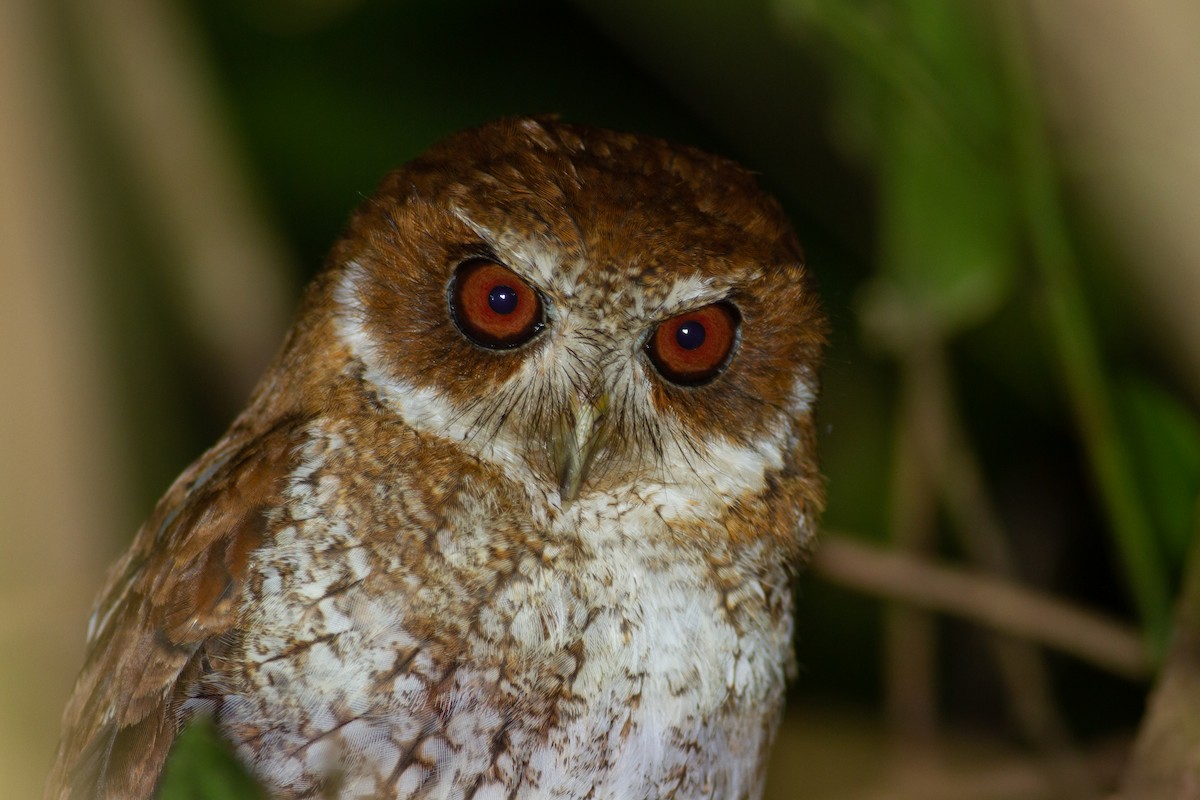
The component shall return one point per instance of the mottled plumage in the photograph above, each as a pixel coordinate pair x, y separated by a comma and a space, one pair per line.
453, 551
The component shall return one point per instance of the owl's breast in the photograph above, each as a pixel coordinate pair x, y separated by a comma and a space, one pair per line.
414, 636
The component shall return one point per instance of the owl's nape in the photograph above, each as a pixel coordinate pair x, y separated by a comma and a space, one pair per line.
516, 511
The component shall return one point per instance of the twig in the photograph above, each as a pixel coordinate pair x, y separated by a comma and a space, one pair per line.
1166, 757
974, 518
982, 599
910, 667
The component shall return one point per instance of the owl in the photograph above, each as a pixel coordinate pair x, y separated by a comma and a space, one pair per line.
516, 511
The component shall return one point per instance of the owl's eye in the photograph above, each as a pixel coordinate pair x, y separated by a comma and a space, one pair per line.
693, 348
493, 306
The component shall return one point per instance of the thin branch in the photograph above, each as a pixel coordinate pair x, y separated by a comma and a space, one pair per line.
974, 518
1166, 757
910, 666
1002, 606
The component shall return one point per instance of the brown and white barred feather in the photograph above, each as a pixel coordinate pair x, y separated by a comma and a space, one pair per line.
158, 625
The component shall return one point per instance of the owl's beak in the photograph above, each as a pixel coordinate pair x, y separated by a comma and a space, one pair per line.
577, 446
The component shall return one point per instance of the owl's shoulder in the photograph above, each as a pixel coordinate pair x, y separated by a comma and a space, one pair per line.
165, 605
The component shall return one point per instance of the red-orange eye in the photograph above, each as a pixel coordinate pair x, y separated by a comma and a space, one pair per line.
493, 306
693, 348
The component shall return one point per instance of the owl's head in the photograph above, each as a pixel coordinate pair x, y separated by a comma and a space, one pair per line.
592, 312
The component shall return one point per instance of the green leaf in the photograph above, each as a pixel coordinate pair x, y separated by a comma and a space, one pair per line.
1164, 437
927, 78
203, 766
948, 228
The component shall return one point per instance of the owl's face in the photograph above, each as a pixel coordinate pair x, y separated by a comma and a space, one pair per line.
589, 311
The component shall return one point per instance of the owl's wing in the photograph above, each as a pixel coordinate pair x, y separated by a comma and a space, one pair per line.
169, 605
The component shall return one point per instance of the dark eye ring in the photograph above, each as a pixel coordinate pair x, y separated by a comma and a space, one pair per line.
493, 306
692, 349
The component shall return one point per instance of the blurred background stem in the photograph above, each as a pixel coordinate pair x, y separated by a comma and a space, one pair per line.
1075, 339
62, 475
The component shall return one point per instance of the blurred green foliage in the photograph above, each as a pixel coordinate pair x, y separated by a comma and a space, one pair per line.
1166, 458
919, 92
203, 766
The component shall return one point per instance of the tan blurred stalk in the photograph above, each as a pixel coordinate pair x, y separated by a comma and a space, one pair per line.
1122, 82
230, 269
60, 481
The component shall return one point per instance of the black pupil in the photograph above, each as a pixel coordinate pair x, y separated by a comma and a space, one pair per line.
690, 335
503, 299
